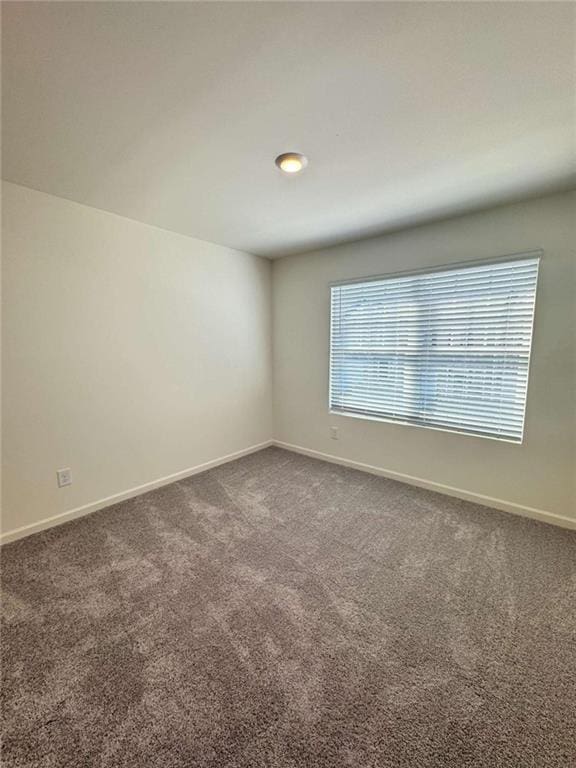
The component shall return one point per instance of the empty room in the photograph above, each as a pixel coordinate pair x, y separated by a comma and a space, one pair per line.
288, 384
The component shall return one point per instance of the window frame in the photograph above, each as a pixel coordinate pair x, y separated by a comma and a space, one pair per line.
537, 253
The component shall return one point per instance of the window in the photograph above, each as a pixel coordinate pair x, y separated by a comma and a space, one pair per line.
448, 349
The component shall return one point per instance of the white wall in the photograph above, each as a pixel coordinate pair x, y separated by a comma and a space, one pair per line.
130, 353
540, 473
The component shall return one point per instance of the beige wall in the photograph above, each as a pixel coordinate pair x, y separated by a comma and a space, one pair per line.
540, 473
130, 353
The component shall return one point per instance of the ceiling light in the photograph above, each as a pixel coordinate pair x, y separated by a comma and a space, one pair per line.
291, 162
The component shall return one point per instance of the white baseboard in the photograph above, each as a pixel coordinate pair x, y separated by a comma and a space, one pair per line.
448, 490
64, 517
488, 501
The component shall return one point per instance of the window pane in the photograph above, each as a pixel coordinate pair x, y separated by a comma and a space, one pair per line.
449, 349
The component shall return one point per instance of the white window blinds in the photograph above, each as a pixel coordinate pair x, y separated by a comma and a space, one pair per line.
447, 349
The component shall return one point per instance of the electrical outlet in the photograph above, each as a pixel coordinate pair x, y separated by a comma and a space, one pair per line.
334, 433
64, 477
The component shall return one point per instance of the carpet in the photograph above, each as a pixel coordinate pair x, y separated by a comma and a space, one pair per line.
282, 612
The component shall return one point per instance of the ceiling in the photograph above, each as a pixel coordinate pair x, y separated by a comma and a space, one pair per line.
172, 113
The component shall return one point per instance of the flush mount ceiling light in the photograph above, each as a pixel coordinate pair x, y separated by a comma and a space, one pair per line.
291, 162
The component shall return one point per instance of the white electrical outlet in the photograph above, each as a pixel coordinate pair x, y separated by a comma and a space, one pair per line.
334, 433
64, 477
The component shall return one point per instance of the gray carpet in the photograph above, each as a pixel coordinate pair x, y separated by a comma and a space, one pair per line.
279, 612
